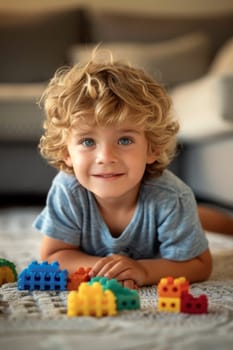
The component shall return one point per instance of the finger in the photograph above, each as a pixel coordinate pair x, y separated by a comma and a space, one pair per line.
113, 266
129, 284
98, 266
118, 271
104, 271
109, 270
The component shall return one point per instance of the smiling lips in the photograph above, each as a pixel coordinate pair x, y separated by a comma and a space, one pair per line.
108, 176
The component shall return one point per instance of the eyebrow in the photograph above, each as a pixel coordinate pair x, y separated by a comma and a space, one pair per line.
89, 131
83, 131
131, 131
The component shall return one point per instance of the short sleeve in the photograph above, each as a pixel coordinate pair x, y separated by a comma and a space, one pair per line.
59, 219
180, 233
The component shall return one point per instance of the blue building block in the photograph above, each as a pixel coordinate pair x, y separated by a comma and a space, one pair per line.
43, 276
127, 299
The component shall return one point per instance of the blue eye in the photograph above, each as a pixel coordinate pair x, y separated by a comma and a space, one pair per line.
88, 142
125, 141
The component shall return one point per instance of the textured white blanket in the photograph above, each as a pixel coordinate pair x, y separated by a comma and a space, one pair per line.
39, 320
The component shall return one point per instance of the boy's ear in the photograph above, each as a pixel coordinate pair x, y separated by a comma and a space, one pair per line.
152, 156
67, 159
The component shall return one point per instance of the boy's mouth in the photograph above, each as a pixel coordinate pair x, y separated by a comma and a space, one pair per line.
108, 176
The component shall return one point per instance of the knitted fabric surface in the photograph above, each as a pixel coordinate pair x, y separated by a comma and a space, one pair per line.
38, 319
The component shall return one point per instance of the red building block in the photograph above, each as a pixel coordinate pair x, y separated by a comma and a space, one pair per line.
77, 277
194, 305
170, 287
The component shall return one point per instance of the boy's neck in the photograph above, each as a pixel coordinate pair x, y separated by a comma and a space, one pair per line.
125, 203
117, 214
117, 220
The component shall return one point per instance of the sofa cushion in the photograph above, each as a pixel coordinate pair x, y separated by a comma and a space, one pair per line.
224, 96
223, 62
172, 61
110, 25
202, 108
21, 118
205, 106
34, 43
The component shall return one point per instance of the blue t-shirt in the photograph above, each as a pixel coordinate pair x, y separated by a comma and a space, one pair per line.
165, 223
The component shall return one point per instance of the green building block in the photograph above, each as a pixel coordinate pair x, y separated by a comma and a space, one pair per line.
127, 299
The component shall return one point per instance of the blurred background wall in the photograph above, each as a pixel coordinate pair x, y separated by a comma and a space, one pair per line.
192, 7
186, 44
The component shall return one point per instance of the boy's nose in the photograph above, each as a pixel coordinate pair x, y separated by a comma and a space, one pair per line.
106, 154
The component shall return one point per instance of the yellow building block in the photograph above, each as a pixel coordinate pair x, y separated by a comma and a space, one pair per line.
169, 304
91, 300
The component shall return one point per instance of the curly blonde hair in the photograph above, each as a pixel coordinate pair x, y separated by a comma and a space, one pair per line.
112, 92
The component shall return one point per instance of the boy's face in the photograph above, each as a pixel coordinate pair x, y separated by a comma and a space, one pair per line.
109, 161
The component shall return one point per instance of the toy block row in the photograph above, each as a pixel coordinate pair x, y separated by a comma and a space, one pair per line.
45, 276
101, 297
174, 296
83, 300
42, 276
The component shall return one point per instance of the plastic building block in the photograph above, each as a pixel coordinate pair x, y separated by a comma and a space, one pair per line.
91, 300
76, 278
8, 272
194, 305
43, 276
169, 304
174, 296
126, 299
172, 287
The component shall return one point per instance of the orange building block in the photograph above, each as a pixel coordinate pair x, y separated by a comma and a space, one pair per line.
170, 287
76, 278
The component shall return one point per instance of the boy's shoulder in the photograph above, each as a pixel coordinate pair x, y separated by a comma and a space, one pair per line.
167, 182
69, 181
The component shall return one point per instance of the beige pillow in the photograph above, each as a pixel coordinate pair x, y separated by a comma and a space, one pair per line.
172, 61
203, 108
224, 96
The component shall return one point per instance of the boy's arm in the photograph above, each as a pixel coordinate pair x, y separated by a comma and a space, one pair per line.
195, 270
69, 256
143, 272
149, 271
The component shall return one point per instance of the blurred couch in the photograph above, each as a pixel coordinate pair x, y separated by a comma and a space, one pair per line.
176, 50
205, 110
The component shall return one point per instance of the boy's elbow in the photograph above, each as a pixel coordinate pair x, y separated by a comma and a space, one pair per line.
44, 256
207, 265
47, 250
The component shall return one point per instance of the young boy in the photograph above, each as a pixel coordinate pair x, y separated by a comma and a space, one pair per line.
113, 205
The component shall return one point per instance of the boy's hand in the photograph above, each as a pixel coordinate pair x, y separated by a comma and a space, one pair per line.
121, 267
129, 284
